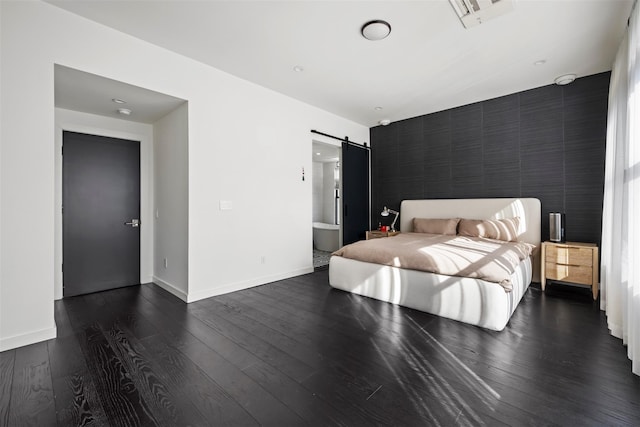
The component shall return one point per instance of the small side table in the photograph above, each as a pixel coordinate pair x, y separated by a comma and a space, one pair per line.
376, 234
572, 262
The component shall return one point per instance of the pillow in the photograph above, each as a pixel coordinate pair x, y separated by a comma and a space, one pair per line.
435, 226
498, 229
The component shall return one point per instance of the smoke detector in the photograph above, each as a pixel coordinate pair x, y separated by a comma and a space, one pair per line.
475, 12
565, 79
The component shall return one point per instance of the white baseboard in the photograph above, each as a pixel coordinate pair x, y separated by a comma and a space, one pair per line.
232, 287
26, 339
170, 288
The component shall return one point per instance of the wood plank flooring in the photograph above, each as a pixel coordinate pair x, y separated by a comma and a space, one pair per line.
296, 352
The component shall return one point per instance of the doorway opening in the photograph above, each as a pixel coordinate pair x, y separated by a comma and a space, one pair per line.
327, 205
88, 103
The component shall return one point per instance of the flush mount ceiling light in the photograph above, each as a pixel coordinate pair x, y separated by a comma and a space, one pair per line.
565, 79
375, 30
378, 108
298, 68
540, 62
124, 111
119, 101
384, 122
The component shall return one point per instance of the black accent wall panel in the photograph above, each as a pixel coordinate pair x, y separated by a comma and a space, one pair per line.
466, 151
384, 170
585, 129
547, 143
410, 163
437, 155
542, 149
501, 146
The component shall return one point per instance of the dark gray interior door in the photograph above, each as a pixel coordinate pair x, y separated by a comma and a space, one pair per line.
100, 195
355, 192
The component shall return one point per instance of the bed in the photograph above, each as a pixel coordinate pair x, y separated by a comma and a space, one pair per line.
467, 299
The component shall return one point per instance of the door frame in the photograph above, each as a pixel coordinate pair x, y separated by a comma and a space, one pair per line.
114, 128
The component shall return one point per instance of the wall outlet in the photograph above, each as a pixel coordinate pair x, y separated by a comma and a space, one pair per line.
166, 263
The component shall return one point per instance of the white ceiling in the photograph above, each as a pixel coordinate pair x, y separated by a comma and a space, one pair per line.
80, 91
430, 62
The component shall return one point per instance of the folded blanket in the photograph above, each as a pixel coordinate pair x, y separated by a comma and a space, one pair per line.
475, 257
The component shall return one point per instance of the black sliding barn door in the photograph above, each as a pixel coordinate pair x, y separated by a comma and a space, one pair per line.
355, 192
101, 212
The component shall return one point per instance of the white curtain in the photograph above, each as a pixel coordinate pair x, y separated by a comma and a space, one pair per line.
620, 267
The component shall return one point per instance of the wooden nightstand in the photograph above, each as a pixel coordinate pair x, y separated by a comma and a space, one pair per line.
570, 262
376, 234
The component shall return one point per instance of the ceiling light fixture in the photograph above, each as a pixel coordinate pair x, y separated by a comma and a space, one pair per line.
476, 12
565, 79
376, 30
378, 108
298, 68
124, 111
540, 62
119, 101
384, 122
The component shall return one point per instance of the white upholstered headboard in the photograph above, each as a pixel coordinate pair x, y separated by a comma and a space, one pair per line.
528, 209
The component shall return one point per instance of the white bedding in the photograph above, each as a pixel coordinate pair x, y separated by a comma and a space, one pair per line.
473, 301
468, 300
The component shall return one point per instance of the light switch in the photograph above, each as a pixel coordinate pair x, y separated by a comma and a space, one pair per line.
226, 205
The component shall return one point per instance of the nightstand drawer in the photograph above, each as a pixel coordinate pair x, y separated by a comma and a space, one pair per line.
376, 234
569, 273
572, 262
569, 255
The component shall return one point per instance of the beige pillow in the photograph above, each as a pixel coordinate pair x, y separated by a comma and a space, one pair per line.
499, 229
435, 226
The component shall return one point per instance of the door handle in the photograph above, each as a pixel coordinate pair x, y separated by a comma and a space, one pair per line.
133, 223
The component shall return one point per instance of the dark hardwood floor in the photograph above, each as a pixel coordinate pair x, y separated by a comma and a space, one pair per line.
296, 352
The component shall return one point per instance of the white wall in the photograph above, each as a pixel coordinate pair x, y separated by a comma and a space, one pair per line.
105, 126
6, 294
171, 190
234, 127
318, 192
328, 194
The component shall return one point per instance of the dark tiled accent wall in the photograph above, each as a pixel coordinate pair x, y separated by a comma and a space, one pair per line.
547, 143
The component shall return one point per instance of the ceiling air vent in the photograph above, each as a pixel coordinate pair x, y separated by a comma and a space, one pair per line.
475, 12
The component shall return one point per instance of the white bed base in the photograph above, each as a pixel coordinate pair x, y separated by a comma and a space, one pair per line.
473, 301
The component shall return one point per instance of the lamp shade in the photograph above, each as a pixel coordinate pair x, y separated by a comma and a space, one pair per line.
386, 211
